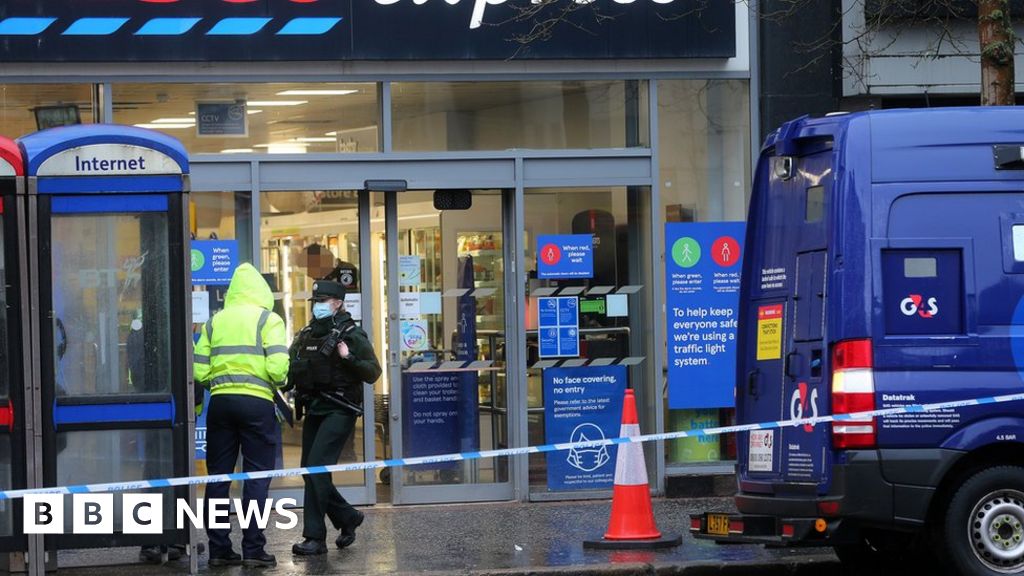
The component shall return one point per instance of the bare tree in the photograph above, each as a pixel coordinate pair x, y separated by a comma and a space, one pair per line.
997, 42
883, 24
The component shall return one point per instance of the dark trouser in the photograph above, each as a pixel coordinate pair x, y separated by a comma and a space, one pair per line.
323, 437
234, 422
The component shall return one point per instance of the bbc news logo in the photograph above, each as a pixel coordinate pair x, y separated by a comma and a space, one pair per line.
144, 514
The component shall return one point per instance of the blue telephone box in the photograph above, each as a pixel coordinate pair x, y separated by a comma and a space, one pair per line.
108, 211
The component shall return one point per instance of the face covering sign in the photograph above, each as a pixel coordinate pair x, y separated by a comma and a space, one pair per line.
582, 404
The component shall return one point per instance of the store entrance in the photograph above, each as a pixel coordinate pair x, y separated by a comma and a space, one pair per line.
439, 254
425, 274
445, 389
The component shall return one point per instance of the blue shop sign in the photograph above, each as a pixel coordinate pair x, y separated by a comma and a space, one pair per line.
558, 326
565, 256
582, 404
435, 406
702, 277
213, 261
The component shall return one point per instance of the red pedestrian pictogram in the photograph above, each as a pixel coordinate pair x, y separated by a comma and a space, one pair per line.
550, 254
725, 251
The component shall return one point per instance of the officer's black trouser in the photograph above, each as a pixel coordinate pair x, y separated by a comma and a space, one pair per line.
237, 421
323, 437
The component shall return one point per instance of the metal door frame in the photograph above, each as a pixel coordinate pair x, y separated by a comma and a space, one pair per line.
514, 170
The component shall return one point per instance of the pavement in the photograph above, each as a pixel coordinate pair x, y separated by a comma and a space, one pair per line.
499, 539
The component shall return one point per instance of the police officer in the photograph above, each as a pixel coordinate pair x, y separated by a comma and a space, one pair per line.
242, 355
331, 358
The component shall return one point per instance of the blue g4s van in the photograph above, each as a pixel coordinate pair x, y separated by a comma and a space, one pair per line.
885, 268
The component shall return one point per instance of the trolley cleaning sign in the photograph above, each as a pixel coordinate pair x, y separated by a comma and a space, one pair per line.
583, 404
702, 277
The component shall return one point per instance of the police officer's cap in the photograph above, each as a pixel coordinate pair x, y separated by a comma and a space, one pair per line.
323, 289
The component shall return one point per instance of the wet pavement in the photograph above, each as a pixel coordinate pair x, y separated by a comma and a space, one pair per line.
497, 538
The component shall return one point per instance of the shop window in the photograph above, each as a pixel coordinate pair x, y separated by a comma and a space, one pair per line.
704, 151
26, 108
503, 115
256, 118
588, 325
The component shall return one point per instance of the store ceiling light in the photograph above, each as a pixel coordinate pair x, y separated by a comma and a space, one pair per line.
276, 144
277, 102
315, 139
166, 126
316, 92
253, 111
236, 151
174, 121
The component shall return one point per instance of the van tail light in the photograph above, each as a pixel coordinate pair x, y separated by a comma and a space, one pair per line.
853, 390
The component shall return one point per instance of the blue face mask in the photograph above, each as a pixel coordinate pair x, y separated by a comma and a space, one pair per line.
322, 310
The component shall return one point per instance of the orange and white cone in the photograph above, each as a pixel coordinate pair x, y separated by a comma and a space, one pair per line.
632, 520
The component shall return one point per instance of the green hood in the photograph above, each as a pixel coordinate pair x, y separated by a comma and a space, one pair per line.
249, 287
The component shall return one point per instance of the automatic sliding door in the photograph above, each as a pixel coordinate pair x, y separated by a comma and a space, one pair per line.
447, 348
308, 236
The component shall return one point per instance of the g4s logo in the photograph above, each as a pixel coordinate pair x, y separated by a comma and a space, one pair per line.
915, 304
798, 405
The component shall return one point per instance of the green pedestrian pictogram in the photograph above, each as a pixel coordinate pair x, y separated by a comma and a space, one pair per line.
686, 252
198, 260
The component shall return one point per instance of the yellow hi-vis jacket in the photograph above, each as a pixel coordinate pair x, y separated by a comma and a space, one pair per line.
243, 348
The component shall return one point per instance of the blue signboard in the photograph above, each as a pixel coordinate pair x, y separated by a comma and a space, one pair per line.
201, 426
558, 324
221, 119
565, 256
213, 261
702, 277
431, 402
583, 404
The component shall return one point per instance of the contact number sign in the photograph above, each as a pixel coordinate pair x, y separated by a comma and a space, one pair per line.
761, 449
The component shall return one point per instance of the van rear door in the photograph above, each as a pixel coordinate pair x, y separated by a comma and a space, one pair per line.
783, 355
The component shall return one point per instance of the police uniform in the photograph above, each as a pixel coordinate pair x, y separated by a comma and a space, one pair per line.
329, 390
242, 356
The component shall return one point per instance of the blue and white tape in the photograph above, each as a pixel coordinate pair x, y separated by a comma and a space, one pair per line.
289, 472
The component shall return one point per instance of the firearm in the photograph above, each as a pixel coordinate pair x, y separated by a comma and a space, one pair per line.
337, 333
284, 411
337, 397
300, 406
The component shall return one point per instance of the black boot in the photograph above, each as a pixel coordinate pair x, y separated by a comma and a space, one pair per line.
261, 560
348, 533
309, 547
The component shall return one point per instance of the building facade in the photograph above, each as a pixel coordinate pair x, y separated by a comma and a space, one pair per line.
421, 153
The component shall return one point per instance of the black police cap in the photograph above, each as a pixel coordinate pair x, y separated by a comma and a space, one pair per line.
328, 289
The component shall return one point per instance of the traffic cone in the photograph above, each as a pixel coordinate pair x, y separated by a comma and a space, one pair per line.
631, 524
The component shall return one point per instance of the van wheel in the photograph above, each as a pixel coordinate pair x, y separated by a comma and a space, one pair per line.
984, 525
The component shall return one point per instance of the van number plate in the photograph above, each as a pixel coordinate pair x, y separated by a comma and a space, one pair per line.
761, 450
718, 524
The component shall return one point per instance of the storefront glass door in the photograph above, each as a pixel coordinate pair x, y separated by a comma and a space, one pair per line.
307, 236
443, 277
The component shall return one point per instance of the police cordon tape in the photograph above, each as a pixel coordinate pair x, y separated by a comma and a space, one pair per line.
456, 457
